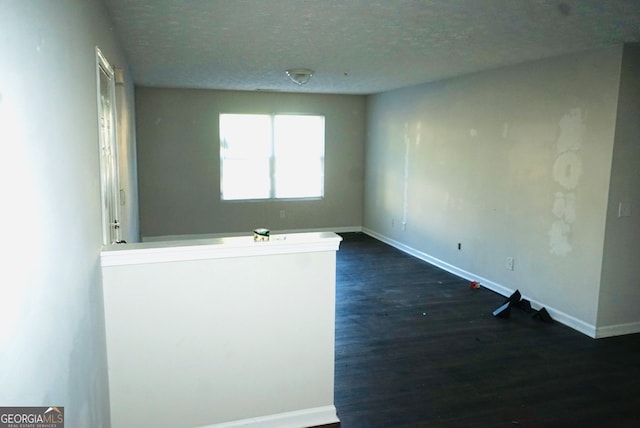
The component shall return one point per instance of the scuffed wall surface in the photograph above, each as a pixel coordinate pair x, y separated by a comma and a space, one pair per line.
513, 162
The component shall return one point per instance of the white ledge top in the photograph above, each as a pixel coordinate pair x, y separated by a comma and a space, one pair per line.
217, 248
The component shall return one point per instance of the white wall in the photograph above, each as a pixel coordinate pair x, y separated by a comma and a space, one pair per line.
513, 162
52, 349
201, 333
619, 308
179, 164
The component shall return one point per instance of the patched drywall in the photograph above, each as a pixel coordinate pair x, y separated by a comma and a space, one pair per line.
179, 163
510, 163
567, 169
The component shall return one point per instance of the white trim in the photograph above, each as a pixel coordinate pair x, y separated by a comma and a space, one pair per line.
618, 330
217, 248
559, 316
301, 418
109, 171
344, 229
439, 263
103, 62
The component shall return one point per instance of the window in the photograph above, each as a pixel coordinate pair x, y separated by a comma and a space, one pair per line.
271, 156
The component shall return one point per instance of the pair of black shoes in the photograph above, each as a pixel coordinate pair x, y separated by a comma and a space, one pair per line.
516, 301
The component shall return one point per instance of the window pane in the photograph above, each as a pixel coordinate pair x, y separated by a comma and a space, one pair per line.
299, 177
245, 135
299, 135
245, 151
299, 153
245, 179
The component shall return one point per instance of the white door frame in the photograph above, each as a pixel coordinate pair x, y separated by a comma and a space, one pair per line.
107, 130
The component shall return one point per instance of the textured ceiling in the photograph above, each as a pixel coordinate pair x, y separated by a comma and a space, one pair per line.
356, 46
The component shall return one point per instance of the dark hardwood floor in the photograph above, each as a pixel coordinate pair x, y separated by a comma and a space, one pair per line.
416, 347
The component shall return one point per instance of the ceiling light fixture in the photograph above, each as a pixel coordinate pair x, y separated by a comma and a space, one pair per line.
299, 76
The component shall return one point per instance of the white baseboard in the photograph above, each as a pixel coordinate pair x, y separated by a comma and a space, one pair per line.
617, 330
162, 238
559, 316
298, 419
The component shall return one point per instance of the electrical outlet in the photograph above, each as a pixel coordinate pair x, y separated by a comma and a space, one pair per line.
624, 209
510, 262
283, 214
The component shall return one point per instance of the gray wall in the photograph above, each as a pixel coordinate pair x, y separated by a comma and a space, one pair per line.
127, 161
179, 165
620, 288
513, 162
52, 346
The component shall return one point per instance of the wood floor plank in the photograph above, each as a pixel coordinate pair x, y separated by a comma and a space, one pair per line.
416, 347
